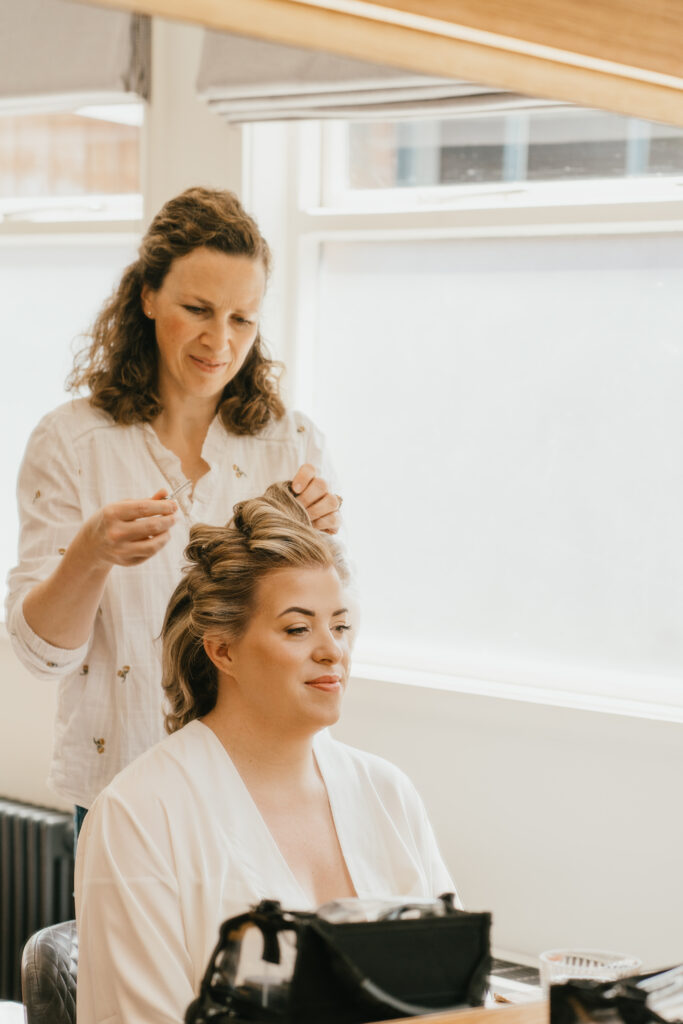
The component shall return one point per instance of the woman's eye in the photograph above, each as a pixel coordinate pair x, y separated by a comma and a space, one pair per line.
343, 627
296, 630
195, 309
242, 321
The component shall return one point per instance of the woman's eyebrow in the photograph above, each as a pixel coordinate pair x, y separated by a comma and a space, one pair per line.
306, 611
250, 309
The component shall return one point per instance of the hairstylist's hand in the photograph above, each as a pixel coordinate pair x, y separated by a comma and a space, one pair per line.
130, 532
314, 494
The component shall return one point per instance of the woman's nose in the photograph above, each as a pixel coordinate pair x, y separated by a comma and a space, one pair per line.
329, 649
217, 335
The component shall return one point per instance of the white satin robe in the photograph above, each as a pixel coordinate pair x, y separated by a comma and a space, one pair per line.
175, 845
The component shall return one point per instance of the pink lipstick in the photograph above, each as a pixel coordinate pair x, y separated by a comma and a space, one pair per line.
329, 684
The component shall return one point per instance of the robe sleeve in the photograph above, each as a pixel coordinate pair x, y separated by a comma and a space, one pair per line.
134, 966
438, 873
439, 879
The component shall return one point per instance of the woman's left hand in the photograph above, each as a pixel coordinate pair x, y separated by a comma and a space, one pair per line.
314, 494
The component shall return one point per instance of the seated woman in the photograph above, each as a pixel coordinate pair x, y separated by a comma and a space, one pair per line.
249, 797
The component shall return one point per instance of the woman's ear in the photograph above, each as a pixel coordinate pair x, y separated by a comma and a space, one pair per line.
218, 650
147, 301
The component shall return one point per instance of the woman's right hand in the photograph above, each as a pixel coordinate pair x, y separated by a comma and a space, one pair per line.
128, 532
62, 608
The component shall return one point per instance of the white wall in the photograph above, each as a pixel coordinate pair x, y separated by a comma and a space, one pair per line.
565, 824
25, 731
185, 144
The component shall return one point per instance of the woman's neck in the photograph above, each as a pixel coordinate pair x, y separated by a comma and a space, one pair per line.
182, 427
184, 415
263, 755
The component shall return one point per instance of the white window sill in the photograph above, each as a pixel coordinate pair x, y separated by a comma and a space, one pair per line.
591, 192
608, 693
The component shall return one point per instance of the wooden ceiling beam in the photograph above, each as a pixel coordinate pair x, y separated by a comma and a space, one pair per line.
618, 55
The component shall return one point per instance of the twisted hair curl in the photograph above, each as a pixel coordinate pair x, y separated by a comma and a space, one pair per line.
218, 590
119, 362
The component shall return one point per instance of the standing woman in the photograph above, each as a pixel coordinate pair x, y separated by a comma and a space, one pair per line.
181, 392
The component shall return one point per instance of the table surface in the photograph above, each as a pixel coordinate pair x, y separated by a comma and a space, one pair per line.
531, 1013
527, 1013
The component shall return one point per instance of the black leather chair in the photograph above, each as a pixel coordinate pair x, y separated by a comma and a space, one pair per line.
48, 975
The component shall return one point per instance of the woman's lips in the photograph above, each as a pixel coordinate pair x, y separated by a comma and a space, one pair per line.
329, 684
206, 366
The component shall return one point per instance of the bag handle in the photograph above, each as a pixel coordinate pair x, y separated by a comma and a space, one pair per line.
219, 977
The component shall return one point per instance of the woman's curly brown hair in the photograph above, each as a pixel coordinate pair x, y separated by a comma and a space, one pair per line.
119, 364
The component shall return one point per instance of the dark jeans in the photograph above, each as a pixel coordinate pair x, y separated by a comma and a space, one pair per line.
79, 815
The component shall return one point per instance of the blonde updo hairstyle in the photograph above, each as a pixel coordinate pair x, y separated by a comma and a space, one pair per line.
217, 593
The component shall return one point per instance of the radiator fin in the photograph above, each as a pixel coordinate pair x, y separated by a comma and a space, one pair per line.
36, 881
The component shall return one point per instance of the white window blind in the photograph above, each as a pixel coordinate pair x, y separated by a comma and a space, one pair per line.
55, 51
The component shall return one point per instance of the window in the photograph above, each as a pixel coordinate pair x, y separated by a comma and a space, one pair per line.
49, 294
500, 382
82, 165
501, 149
526, 146
70, 204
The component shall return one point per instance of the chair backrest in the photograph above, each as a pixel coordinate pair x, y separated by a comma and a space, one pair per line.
48, 975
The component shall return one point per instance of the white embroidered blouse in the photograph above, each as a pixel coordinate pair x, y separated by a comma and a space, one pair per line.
176, 845
76, 461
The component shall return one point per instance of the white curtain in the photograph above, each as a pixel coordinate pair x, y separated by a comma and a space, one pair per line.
51, 49
245, 79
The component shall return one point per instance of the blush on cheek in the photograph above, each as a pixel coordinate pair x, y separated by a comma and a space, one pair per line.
175, 323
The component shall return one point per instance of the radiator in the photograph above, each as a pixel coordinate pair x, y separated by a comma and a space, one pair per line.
36, 881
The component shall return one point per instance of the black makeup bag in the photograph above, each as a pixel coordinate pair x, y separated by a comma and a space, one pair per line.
411, 961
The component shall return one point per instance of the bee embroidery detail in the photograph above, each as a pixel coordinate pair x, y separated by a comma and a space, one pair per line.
84, 670
238, 472
301, 429
61, 551
123, 672
36, 496
51, 664
99, 744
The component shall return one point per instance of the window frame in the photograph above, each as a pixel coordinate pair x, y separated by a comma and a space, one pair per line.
629, 188
293, 218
